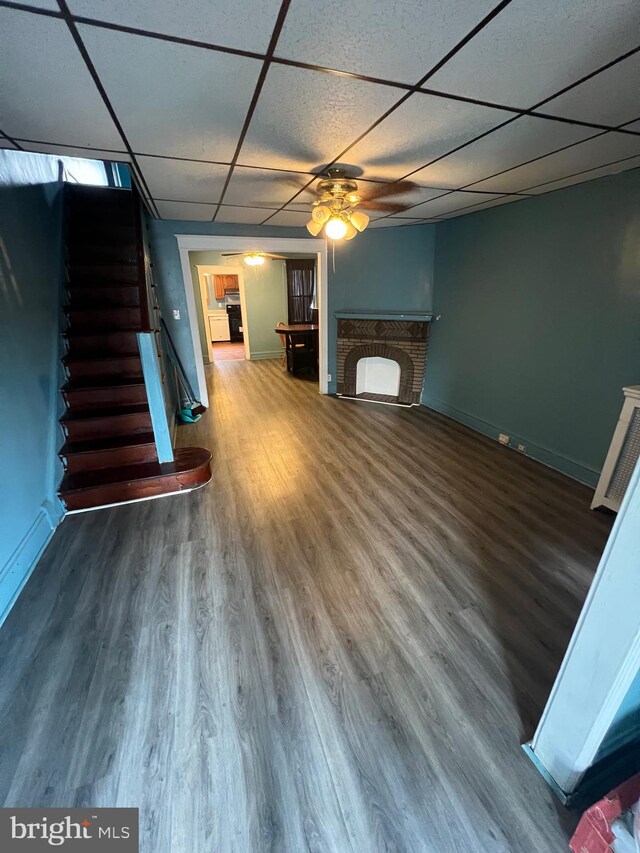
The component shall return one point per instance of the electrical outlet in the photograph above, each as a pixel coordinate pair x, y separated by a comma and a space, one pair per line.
176, 313
522, 448
503, 439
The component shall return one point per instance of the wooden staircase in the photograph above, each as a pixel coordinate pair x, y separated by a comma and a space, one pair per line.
110, 453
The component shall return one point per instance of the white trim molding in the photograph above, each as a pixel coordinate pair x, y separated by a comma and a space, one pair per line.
202, 243
602, 660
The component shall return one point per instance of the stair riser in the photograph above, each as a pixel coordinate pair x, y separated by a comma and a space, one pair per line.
93, 460
79, 231
103, 272
84, 253
124, 367
119, 492
108, 318
92, 294
83, 430
105, 345
81, 399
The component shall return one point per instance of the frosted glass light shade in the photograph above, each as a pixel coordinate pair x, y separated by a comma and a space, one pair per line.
351, 232
254, 260
359, 219
335, 228
314, 228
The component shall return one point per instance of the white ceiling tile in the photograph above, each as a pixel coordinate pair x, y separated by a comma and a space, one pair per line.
400, 40
388, 222
420, 130
532, 50
483, 205
245, 215
588, 175
264, 188
446, 203
6, 143
70, 151
304, 119
608, 98
633, 125
292, 218
183, 180
52, 5
515, 143
243, 24
587, 155
52, 97
185, 210
171, 99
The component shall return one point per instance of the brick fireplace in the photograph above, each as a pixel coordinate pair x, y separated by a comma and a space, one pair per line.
403, 341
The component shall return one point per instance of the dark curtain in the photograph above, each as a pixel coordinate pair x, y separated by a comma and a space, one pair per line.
301, 281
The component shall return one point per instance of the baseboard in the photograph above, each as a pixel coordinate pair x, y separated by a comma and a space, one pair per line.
18, 568
258, 356
565, 464
596, 782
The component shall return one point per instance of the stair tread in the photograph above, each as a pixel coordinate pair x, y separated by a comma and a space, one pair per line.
107, 412
110, 283
67, 358
186, 459
112, 442
97, 331
91, 382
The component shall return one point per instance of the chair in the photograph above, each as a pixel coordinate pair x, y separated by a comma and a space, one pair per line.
283, 341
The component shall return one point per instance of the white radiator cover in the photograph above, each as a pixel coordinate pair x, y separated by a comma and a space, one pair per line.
623, 453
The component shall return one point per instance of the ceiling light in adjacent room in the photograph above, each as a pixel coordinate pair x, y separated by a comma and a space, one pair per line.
254, 260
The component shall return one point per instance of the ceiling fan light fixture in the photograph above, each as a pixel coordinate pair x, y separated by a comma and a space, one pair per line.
320, 214
336, 228
351, 232
359, 219
314, 227
254, 259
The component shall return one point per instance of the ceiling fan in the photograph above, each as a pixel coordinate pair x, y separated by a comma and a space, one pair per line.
253, 259
334, 209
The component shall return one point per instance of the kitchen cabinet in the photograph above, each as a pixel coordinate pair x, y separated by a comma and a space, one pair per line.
222, 283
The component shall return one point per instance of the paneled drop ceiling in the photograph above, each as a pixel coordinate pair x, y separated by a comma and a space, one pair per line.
228, 110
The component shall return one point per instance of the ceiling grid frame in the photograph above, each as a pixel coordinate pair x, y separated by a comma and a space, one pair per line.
270, 57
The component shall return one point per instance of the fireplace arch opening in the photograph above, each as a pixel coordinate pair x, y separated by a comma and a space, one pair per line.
381, 352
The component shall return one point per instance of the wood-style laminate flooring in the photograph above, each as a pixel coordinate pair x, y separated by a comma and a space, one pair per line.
337, 645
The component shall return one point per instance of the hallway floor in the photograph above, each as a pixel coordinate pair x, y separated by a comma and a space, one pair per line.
338, 645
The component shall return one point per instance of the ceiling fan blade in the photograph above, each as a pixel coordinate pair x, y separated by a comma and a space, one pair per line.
383, 206
278, 257
397, 188
232, 254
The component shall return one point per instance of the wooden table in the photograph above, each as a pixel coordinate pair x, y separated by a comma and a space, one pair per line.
301, 345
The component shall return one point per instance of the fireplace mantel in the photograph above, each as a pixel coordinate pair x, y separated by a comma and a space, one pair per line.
420, 316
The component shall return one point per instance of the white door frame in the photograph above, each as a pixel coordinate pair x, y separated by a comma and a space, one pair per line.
203, 242
220, 269
602, 660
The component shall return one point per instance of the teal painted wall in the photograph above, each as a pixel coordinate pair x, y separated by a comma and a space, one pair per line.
379, 270
382, 269
540, 328
30, 265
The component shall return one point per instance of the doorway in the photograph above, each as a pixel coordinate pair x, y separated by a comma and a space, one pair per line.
219, 289
191, 243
